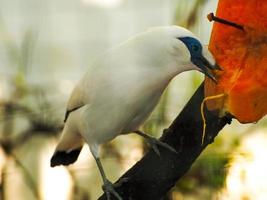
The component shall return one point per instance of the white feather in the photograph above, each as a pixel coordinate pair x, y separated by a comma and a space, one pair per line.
122, 87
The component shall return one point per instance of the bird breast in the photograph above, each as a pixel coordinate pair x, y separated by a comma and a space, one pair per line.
120, 104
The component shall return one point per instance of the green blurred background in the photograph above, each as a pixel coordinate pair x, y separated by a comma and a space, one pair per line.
46, 46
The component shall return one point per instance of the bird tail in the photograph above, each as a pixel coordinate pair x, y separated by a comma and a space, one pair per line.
65, 157
68, 148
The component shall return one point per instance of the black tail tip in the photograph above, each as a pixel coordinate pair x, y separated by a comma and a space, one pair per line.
64, 158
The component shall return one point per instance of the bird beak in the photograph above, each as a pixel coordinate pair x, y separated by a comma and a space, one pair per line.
207, 68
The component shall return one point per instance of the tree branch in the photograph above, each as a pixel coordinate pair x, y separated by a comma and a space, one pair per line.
153, 176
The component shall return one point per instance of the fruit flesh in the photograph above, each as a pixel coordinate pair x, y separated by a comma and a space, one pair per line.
243, 57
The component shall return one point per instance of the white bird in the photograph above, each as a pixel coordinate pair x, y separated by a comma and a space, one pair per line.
121, 89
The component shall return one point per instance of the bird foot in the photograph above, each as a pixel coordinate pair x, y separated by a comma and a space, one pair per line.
154, 143
121, 181
109, 189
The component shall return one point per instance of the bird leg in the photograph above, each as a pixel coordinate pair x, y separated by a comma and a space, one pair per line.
153, 142
107, 185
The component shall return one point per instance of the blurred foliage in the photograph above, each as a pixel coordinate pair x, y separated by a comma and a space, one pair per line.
158, 119
18, 105
186, 14
213, 176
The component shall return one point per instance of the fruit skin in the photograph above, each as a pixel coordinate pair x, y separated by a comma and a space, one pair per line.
243, 57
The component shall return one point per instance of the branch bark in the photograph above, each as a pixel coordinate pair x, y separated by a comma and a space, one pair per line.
153, 176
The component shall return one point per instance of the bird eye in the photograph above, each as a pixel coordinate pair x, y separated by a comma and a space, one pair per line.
195, 47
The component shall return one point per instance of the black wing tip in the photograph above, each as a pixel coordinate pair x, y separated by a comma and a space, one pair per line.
64, 158
69, 111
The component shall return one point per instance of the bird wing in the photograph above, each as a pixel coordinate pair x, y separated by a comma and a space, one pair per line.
78, 98
71, 142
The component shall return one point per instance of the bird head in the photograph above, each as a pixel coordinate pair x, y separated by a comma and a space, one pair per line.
188, 51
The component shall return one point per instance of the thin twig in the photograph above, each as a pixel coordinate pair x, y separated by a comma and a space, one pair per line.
212, 17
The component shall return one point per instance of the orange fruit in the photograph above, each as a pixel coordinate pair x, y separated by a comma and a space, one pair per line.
242, 54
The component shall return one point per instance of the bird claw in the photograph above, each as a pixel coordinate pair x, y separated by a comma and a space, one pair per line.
121, 181
154, 143
163, 144
109, 189
154, 147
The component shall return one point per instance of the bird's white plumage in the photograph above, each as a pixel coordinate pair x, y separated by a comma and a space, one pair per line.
122, 87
